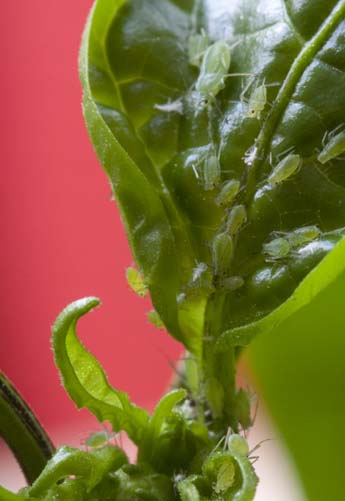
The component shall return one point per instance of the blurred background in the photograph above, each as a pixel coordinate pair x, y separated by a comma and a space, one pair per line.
63, 239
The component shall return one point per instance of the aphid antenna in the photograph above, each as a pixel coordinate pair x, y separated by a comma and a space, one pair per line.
258, 445
334, 131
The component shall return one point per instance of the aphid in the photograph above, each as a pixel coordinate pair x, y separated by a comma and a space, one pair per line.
284, 169
334, 147
228, 193
197, 45
231, 284
98, 439
222, 253
155, 319
237, 218
225, 476
303, 235
257, 102
211, 172
171, 107
277, 248
214, 69
136, 282
237, 445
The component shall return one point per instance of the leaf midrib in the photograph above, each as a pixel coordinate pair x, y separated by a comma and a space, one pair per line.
287, 89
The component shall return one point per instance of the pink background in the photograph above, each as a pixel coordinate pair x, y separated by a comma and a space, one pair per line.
62, 238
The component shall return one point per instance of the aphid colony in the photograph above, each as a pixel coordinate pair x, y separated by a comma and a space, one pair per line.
214, 63
280, 247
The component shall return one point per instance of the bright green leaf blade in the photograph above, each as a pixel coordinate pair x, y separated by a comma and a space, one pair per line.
300, 369
84, 378
126, 163
22, 432
6, 495
330, 268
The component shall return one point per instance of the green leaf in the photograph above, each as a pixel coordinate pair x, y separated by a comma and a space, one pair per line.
157, 138
84, 378
151, 437
22, 431
299, 368
90, 466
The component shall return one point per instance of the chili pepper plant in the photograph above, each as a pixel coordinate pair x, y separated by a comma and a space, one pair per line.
220, 126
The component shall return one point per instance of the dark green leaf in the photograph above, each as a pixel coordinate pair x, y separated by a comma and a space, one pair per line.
135, 60
22, 432
84, 378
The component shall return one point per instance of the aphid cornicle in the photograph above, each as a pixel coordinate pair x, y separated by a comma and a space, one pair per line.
237, 218
214, 69
211, 172
222, 253
284, 169
197, 45
333, 148
136, 282
228, 193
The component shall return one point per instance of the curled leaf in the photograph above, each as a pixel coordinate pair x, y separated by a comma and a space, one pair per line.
84, 378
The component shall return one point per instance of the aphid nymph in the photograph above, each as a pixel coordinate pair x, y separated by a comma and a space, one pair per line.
214, 69
136, 281
285, 169
333, 145
211, 172
222, 253
237, 218
228, 193
277, 248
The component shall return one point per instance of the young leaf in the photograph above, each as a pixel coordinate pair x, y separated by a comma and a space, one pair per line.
84, 378
89, 466
150, 440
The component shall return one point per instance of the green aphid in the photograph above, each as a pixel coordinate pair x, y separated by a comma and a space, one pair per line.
277, 248
98, 439
211, 172
237, 218
222, 253
333, 148
214, 69
237, 445
257, 102
284, 169
231, 284
225, 476
136, 281
302, 236
155, 319
228, 193
197, 45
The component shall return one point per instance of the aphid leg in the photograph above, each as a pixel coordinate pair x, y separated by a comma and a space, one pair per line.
284, 153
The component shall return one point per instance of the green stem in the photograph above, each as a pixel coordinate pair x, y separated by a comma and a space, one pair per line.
22, 432
219, 368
